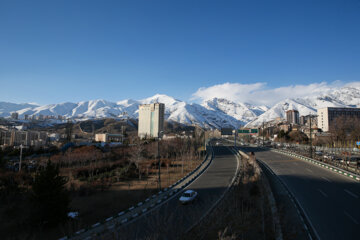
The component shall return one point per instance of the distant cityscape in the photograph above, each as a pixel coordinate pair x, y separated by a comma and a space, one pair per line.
14, 132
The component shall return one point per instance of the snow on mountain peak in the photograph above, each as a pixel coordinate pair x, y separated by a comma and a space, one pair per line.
161, 98
214, 113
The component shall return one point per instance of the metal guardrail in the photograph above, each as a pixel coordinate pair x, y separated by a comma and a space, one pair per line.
140, 209
321, 164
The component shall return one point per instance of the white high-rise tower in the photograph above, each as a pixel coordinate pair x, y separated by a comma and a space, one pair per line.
151, 120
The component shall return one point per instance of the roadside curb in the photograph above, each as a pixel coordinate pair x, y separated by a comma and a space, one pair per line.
340, 171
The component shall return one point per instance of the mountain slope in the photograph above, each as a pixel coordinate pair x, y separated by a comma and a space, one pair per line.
7, 108
214, 113
240, 111
343, 97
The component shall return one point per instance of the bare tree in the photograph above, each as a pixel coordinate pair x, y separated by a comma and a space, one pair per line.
137, 157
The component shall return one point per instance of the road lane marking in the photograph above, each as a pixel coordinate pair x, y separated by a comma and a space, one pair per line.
351, 194
351, 218
296, 163
309, 170
326, 179
324, 194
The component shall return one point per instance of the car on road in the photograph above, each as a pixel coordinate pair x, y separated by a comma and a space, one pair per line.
188, 196
318, 153
353, 160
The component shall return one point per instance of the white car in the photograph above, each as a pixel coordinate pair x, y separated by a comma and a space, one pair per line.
188, 196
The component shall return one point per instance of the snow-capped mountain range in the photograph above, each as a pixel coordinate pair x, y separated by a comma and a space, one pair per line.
214, 113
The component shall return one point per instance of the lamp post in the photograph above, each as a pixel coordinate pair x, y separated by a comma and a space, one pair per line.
235, 137
310, 140
263, 128
21, 149
158, 155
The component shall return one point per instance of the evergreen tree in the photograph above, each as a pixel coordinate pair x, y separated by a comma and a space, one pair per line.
50, 198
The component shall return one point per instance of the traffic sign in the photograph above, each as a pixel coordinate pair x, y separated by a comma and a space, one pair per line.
248, 131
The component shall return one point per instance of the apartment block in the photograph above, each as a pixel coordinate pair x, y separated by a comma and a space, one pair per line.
292, 116
326, 116
108, 137
151, 120
15, 115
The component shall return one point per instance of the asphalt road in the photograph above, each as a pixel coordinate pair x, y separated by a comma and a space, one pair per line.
331, 201
172, 219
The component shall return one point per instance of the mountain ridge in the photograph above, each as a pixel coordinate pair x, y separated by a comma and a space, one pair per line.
213, 113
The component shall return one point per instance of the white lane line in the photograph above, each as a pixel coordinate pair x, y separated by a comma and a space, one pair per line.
324, 194
326, 179
296, 163
351, 218
351, 194
309, 170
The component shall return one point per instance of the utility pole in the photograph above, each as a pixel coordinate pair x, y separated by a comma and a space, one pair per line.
310, 139
158, 155
235, 138
68, 130
205, 140
263, 129
122, 134
21, 148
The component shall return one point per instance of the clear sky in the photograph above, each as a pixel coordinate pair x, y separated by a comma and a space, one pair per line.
57, 51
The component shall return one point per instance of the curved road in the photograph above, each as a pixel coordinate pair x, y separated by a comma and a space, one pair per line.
171, 220
331, 201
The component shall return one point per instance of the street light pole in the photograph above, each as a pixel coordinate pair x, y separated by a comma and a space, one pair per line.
205, 140
235, 138
311, 154
263, 134
21, 148
158, 155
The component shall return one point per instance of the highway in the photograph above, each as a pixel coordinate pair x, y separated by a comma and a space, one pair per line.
330, 201
171, 220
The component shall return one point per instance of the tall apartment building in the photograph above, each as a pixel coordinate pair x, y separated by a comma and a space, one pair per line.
326, 116
292, 116
15, 115
151, 120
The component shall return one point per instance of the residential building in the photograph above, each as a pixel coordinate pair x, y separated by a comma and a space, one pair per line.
108, 137
14, 137
151, 120
292, 116
303, 120
15, 115
5, 137
326, 116
308, 120
285, 127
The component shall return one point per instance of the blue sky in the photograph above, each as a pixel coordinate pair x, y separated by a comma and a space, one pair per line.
57, 51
